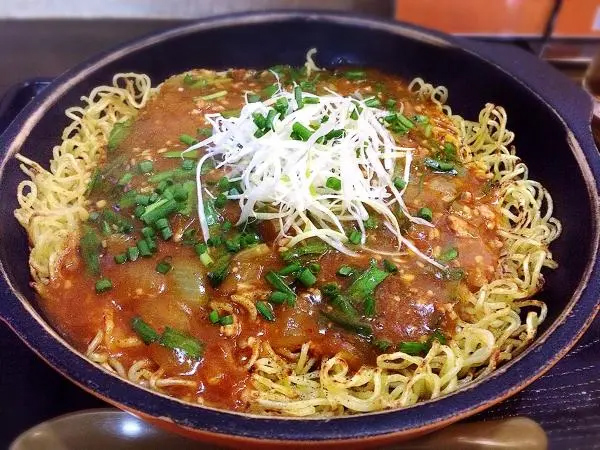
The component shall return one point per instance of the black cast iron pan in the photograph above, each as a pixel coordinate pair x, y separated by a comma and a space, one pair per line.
551, 119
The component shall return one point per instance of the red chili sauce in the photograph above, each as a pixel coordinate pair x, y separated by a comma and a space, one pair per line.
414, 301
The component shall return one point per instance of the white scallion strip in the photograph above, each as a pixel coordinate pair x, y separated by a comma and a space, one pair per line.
284, 179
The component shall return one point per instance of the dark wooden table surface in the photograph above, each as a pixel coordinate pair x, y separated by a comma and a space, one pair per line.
566, 401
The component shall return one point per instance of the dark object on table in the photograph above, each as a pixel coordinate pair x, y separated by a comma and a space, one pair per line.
101, 429
431, 55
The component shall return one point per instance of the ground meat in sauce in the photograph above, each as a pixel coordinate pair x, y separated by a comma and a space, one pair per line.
410, 303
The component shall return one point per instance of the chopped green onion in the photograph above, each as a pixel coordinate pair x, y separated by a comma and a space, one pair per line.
223, 184
220, 201
425, 213
291, 268
142, 199
448, 255
314, 267
399, 183
103, 285
213, 316
279, 297
161, 223
158, 210
188, 164
219, 270
148, 232
382, 344
404, 121
144, 331
437, 335
355, 237
439, 166
307, 278
355, 74
269, 120
298, 96
259, 120
389, 266
346, 271
178, 341
370, 223
125, 179
334, 183
414, 348
151, 244
206, 132
281, 106
372, 102
348, 323
121, 258
200, 248
311, 100
214, 95
226, 320
265, 310
253, 98
145, 166
187, 140
192, 154
163, 267
390, 103
279, 284
166, 233
317, 248
270, 90
300, 132
119, 132
143, 248
369, 306
205, 259
90, 246
330, 289
366, 283
133, 253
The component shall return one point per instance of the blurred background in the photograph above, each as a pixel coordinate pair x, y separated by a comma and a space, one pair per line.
31, 31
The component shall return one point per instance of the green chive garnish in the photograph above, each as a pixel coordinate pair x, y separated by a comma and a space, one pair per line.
278, 297
334, 183
226, 320
345, 271
187, 139
121, 258
389, 266
355, 74
307, 278
145, 166
163, 267
125, 179
265, 310
144, 331
103, 285
399, 183
425, 213
220, 201
355, 237
298, 96
449, 255
301, 131
213, 316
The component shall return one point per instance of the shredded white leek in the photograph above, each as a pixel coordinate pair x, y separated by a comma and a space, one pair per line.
285, 179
